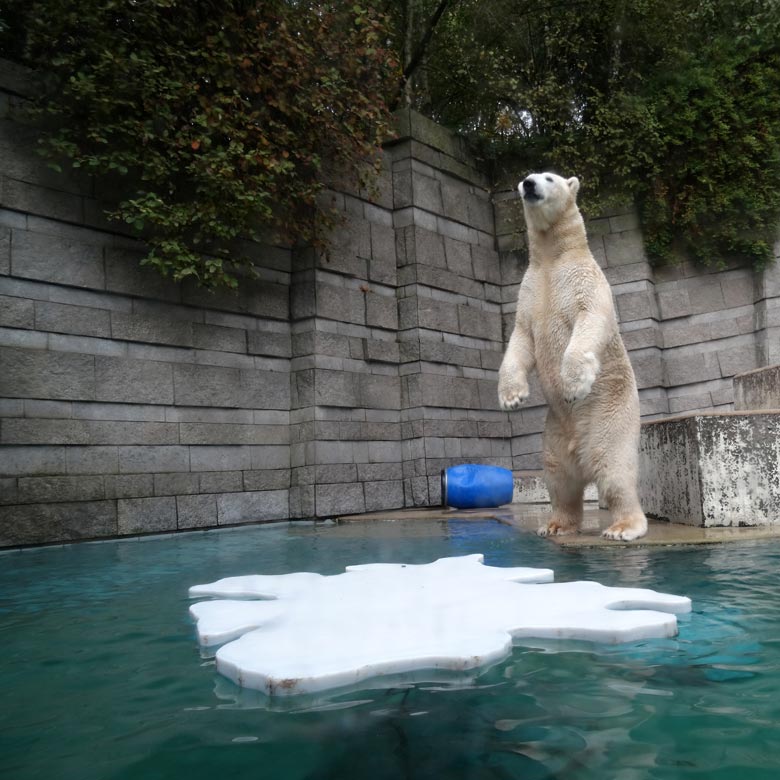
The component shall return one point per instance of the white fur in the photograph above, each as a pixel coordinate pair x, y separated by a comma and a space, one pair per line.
566, 328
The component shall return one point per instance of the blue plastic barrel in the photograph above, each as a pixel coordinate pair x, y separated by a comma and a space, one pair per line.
472, 486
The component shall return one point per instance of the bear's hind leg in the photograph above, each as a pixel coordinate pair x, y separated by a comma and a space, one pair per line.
565, 483
628, 519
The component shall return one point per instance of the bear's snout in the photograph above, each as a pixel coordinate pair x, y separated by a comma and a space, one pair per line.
528, 189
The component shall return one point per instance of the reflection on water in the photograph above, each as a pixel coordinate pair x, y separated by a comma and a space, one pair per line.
101, 675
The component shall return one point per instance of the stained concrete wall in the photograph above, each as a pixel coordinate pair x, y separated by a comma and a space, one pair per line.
712, 469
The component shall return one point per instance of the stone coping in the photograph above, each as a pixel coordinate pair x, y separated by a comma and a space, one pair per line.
758, 370
713, 413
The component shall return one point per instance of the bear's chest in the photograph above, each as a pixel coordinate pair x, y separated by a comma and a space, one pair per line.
552, 316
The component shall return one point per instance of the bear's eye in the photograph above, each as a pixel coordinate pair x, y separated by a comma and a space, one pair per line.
549, 178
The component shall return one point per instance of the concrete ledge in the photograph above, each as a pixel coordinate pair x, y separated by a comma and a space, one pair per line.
712, 469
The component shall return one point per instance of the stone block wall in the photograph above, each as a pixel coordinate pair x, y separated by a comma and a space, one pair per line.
339, 382
449, 309
129, 404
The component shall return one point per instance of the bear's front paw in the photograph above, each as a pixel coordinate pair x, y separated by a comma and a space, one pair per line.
578, 373
513, 396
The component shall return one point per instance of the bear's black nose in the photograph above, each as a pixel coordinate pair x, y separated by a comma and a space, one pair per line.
529, 185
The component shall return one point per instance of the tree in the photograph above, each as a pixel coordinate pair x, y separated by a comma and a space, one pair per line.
216, 117
666, 104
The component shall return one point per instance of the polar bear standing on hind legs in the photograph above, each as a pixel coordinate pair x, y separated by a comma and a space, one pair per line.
566, 327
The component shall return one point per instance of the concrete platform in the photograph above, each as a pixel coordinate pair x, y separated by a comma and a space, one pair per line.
531, 518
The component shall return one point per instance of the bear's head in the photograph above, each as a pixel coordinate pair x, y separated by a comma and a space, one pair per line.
546, 198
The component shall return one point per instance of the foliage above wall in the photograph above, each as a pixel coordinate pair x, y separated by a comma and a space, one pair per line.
215, 118
673, 105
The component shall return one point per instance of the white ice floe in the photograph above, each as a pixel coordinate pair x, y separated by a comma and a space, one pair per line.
305, 633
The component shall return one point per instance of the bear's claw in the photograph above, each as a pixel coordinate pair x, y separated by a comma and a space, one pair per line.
625, 531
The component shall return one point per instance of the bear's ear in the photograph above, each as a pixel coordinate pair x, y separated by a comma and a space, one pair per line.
574, 185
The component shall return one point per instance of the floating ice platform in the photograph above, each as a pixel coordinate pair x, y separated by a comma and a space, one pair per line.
304, 633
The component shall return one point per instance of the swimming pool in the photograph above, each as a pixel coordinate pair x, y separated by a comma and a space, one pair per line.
101, 676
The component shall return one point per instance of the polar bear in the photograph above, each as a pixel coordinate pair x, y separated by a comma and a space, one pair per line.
567, 329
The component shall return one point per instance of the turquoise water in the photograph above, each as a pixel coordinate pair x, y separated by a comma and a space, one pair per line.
101, 676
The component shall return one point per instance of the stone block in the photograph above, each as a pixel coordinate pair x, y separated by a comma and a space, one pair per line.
624, 248
271, 344
146, 515
154, 459
220, 339
737, 360
673, 303
381, 312
231, 433
57, 431
272, 479
151, 330
690, 367
5, 250
341, 304
16, 312
9, 493
196, 511
175, 484
479, 323
641, 338
678, 334
26, 373
124, 274
129, 485
270, 457
416, 492
486, 264
32, 490
648, 368
706, 296
425, 247
384, 451
339, 499
379, 472
218, 458
265, 389
134, 381
335, 388
221, 481
738, 290
450, 391
458, 257
253, 507
636, 306
53, 259
65, 522
758, 389
437, 315
78, 320
44, 201
382, 250
690, 402
92, 460
385, 495
711, 470
376, 391
381, 351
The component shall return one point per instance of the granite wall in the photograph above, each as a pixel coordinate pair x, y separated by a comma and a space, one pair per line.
336, 383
